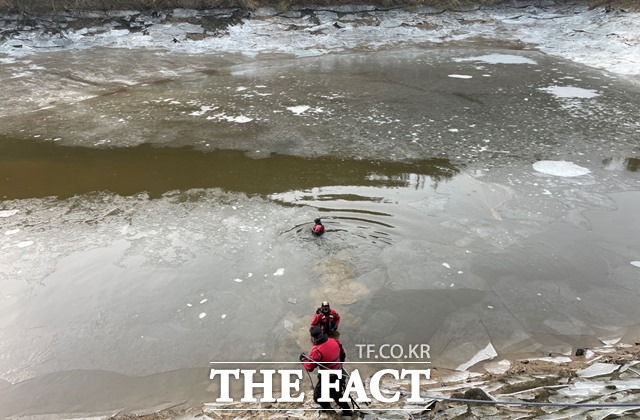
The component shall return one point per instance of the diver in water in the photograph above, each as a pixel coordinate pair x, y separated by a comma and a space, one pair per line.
318, 228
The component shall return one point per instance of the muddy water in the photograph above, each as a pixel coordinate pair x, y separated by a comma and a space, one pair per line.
32, 169
156, 212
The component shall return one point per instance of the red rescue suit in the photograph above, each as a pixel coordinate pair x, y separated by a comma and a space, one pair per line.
327, 353
327, 321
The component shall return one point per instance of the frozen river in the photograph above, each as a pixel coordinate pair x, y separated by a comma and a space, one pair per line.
156, 212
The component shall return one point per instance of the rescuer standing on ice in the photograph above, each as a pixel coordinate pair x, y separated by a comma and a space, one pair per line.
327, 319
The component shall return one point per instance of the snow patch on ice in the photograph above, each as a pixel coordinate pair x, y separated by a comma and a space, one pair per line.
24, 244
460, 76
635, 263
279, 272
202, 315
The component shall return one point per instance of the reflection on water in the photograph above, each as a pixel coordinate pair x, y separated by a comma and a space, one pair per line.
39, 169
621, 164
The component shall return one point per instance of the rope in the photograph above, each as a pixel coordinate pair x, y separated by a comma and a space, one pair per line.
542, 404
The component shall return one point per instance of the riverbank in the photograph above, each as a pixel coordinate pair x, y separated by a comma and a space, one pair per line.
551, 387
603, 36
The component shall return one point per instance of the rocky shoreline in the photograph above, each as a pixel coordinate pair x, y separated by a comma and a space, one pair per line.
602, 36
596, 384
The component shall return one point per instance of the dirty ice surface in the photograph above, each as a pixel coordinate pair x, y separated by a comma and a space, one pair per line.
590, 37
481, 198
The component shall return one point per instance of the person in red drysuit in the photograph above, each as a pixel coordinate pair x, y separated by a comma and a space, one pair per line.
327, 319
326, 353
318, 228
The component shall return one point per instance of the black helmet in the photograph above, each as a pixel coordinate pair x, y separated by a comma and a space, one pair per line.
315, 331
317, 221
325, 306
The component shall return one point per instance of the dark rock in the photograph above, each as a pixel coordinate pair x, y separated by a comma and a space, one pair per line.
580, 352
476, 394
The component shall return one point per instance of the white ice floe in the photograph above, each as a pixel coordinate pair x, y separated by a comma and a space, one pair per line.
598, 369
237, 280
487, 353
298, 110
570, 92
498, 59
7, 213
24, 244
446, 265
12, 232
635, 263
629, 365
610, 341
240, 119
461, 76
202, 315
560, 168
279, 272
